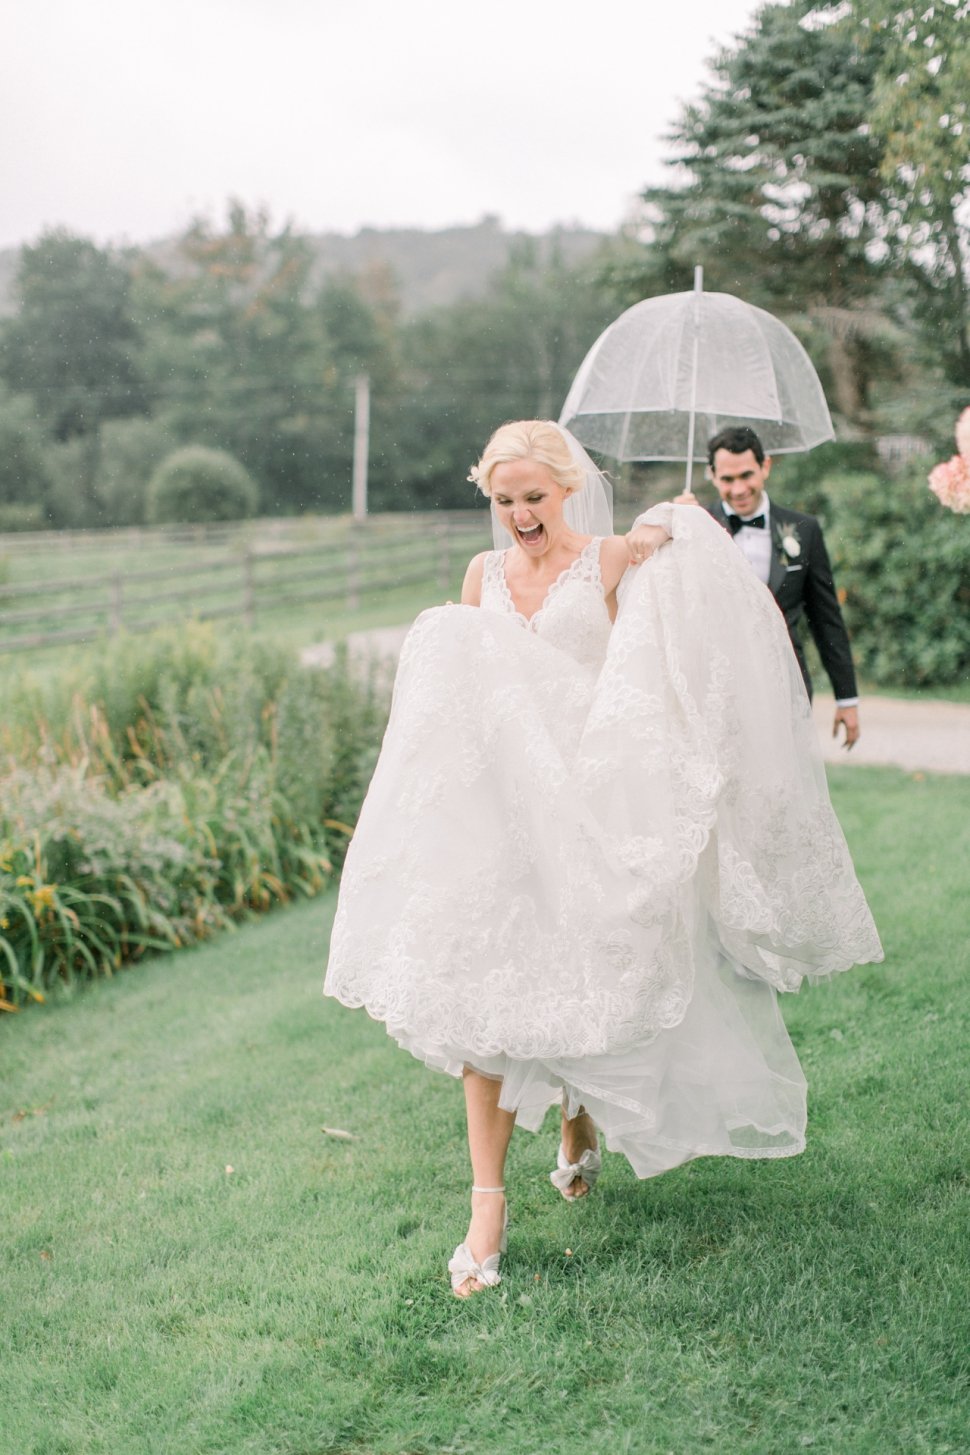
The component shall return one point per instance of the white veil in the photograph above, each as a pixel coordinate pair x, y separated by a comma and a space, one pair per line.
588, 510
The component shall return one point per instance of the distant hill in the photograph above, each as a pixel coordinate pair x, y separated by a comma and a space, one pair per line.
431, 268
440, 267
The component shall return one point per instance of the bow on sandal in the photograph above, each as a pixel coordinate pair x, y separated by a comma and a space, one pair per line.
587, 1169
462, 1265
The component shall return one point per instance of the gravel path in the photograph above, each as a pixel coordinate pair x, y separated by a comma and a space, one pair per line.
927, 737
923, 737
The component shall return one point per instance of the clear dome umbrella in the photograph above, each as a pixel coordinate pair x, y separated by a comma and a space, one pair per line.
672, 371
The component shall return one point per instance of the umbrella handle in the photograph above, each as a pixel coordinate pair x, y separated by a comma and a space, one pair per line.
698, 290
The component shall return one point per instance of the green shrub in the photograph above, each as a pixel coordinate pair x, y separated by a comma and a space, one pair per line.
197, 483
24, 476
131, 451
20, 516
902, 564
167, 786
805, 482
69, 502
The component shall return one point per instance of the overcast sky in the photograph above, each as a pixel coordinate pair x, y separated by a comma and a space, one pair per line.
124, 119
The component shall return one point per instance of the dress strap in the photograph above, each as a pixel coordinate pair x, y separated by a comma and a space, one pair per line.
586, 567
494, 588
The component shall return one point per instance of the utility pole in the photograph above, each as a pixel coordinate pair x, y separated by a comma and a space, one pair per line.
361, 445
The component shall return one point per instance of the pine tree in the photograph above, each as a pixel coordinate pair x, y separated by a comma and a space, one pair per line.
782, 197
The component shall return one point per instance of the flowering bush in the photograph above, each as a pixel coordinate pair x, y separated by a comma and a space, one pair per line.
950, 481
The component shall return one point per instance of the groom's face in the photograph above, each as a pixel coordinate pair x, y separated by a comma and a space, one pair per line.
740, 480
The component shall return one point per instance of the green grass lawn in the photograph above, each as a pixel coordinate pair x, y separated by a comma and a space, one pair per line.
192, 1266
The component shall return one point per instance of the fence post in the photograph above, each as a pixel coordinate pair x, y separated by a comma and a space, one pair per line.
353, 574
444, 555
249, 587
116, 603
361, 445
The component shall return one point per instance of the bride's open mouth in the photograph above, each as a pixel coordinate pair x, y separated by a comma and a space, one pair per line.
531, 536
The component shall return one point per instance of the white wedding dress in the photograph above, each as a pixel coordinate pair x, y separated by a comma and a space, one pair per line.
589, 856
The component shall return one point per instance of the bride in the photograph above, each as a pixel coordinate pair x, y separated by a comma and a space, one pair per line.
597, 841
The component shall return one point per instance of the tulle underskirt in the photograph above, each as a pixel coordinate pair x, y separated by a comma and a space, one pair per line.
724, 1082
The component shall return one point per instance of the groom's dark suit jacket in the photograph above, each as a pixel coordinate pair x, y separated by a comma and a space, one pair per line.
803, 587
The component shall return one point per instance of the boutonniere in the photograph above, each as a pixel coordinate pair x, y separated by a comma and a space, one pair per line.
788, 543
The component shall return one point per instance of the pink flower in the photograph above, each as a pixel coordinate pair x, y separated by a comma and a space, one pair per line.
963, 434
950, 482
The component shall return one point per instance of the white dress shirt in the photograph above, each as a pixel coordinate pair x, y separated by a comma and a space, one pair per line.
755, 544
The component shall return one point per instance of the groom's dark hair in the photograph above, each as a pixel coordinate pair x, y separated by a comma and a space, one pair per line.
735, 439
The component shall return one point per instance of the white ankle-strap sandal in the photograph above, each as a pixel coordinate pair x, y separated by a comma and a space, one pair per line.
588, 1168
462, 1265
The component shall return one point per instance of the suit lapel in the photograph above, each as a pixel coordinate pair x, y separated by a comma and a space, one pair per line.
776, 571
777, 574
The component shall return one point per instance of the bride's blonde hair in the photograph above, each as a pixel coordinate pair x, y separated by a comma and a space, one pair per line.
529, 439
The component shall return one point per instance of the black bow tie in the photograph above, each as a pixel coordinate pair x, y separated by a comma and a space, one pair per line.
735, 523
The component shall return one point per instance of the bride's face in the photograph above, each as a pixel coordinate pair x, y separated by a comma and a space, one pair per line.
528, 502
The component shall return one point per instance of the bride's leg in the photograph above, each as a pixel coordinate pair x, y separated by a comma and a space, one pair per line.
578, 1136
489, 1134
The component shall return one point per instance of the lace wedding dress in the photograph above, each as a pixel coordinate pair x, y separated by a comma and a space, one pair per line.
590, 856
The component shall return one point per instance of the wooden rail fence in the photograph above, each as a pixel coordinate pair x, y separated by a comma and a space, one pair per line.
353, 564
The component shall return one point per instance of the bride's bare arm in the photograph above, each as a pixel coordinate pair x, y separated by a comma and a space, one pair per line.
471, 587
614, 559
616, 556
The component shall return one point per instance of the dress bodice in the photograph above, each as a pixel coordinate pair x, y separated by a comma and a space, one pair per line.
573, 617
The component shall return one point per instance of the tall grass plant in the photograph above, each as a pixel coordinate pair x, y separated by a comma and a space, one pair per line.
159, 791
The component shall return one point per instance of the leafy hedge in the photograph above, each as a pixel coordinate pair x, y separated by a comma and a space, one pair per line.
166, 788
902, 564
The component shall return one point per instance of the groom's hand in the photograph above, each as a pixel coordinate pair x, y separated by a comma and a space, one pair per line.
849, 718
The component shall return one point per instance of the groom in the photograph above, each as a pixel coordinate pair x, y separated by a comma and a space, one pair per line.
786, 550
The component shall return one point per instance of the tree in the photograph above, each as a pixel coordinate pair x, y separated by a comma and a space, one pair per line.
24, 475
782, 193
131, 451
73, 345
509, 355
921, 111
358, 316
233, 350
74, 348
